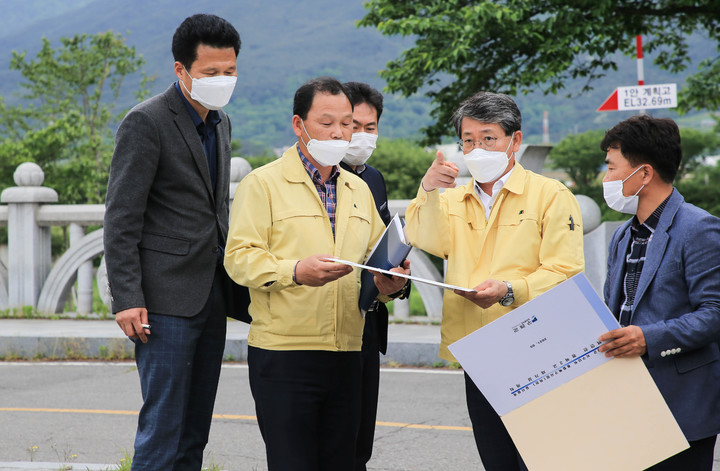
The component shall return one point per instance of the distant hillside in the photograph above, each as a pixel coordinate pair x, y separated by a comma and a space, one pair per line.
284, 43
18, 15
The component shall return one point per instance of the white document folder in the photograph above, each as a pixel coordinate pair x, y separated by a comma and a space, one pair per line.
564, 403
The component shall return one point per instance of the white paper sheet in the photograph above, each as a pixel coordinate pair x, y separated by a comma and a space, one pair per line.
536, 347
565, 405
409, 277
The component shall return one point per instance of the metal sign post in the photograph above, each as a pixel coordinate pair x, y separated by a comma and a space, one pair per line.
641, 97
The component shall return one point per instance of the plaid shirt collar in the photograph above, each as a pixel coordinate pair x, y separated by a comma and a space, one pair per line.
327, 190
313, 172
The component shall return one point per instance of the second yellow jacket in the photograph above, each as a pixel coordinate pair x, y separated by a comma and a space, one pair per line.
532, 239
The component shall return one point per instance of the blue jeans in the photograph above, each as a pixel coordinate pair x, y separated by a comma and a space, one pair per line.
179, 370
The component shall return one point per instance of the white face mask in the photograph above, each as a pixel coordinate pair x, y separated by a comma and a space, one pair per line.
326, 153
211, 92
361, 148
613, 194
486, 166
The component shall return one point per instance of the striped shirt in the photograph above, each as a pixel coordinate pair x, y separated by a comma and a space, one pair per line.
326, 191
635, 259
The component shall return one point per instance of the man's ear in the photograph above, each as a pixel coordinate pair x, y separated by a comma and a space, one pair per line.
648, 174
517, 140
297, 126
178, 69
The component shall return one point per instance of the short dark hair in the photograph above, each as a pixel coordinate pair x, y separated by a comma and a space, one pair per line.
646, 140
488, 107
306, 93
360, 92
205, 29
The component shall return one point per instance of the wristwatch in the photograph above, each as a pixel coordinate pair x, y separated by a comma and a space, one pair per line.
509, 297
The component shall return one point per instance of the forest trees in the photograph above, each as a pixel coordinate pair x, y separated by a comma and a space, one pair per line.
518, 46
65, 121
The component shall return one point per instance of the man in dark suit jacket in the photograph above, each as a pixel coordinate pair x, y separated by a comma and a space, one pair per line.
663, 282
166, 222
367, 108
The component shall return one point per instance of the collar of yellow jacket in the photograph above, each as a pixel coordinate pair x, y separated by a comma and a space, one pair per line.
294, 170
515, 184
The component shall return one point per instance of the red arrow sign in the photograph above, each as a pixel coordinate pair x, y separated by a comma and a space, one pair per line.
611, 104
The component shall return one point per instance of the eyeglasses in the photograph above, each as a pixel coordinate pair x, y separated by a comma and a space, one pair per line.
487, 143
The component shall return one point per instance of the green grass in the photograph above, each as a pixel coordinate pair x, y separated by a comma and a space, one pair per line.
25, 312
126, 463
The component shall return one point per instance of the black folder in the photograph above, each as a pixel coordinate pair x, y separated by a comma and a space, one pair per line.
389, 252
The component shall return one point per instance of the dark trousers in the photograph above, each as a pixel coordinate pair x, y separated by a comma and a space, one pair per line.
497, 450
179, 370
308, 407
699, 457
369, 392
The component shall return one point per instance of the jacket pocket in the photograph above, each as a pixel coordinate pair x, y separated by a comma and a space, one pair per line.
301, 311
697, 358
357, 235
164, 243
669, 269
522, 232
513, 220
292, 212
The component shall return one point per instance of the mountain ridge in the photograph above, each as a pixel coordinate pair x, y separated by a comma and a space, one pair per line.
284, 43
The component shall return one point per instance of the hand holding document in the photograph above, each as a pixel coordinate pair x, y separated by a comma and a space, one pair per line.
549, 341
392, 247
486, 293
390, 251
402, 275
540, 368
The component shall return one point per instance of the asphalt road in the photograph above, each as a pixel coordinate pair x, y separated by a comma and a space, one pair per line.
84, 415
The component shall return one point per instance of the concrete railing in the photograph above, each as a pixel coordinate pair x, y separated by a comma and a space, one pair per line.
30, 278
29, 217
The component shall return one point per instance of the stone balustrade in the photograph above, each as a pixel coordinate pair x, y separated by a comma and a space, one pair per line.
30, 277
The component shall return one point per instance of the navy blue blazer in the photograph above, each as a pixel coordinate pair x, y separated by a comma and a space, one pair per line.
677, 306
376, 322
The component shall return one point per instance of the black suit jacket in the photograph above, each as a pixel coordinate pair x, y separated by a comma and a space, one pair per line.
163, 219
376, 321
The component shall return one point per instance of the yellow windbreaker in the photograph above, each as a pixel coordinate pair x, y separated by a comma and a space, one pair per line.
276, 219
533, 239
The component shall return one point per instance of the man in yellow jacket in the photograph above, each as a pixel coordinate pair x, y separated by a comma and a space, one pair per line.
287, 219
510, 234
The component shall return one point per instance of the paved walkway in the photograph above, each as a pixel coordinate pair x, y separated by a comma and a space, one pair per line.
51, 466
408, 344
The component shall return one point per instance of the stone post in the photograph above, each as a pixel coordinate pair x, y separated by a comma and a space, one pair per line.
84, 274
28, 244
401, 309
239, 168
